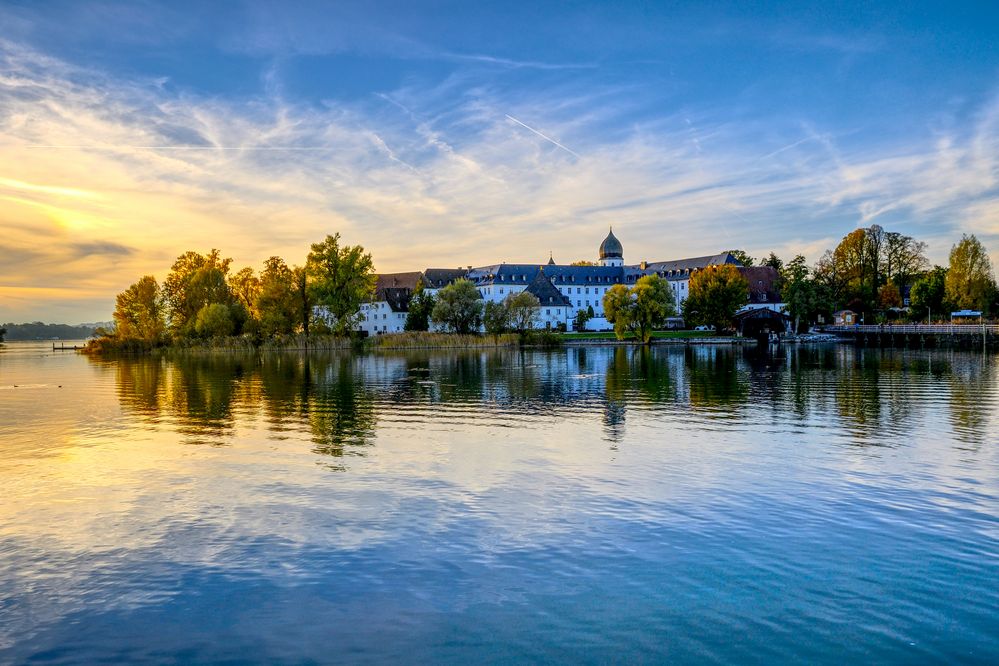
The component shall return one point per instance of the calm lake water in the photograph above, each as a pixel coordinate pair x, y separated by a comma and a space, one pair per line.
703, 504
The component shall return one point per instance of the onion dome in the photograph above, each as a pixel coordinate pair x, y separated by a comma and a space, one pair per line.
611, 247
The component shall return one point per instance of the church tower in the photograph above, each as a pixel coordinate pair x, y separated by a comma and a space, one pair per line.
611, 252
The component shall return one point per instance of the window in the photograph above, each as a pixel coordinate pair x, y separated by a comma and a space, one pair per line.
548, 312
579, 304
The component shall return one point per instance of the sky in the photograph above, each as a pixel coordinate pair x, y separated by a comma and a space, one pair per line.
446, 134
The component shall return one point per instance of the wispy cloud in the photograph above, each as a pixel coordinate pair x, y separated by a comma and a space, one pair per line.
103, 179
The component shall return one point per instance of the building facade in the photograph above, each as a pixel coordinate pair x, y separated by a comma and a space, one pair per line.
562, 290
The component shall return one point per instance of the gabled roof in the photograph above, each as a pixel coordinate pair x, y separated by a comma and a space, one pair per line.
396, 289
397, 280
547, 295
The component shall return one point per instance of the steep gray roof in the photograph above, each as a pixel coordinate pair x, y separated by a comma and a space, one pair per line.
547, 295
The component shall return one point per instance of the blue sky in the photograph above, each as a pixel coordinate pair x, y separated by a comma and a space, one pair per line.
446, 134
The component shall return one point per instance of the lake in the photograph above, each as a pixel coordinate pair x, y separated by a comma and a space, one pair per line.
588, 505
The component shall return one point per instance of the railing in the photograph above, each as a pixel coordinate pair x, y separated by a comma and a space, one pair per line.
917, 329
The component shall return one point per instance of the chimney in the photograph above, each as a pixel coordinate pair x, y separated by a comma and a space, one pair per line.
644, 265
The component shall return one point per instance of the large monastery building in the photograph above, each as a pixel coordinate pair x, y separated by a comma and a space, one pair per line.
562, 290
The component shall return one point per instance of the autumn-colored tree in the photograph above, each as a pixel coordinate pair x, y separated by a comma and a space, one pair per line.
277, 299
138, 311
195, 280
641, 309
969, 283
889, 296
245, 288
339, 280
714, 295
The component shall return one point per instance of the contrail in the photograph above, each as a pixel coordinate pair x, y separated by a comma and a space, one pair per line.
546, 138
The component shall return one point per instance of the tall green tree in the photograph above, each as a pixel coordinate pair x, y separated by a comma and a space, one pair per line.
420, 307
969, 283
523, 309
339, 280
277, 298
714, 295
138, 311
459, 307
928, 294
774, 262
641, 309
580, 320
743, 257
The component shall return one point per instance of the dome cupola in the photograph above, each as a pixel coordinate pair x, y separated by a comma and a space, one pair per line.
611, 252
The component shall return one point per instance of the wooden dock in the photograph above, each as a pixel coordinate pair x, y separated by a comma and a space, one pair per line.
969, 336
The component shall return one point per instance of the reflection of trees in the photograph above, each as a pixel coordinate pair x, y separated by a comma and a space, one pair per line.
714, 377
970, 382
335, 399
140, 385
341, 406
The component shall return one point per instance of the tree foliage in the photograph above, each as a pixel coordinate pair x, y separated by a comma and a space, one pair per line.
138, 311
421, 305
496, 317
774, 262
929, 293
459, 307
969, 283
641, 309
714, 295
195, 280
214, 320
523, 309
339, 279
277, 299
244, 286
743, 257
581, 319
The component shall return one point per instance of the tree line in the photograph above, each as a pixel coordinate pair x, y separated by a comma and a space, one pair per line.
202, 297
870, 270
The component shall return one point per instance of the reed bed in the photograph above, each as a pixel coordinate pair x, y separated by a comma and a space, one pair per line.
426, 340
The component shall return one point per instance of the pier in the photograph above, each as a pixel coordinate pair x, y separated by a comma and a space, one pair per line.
967, 336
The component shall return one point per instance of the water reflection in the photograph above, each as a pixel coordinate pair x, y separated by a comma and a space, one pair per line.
866, 396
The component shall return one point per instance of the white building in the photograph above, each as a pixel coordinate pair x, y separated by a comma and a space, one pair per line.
562, 290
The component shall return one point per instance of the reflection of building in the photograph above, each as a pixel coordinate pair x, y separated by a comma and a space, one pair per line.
562, 290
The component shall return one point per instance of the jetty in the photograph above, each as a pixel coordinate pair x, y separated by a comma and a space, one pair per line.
967, 336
